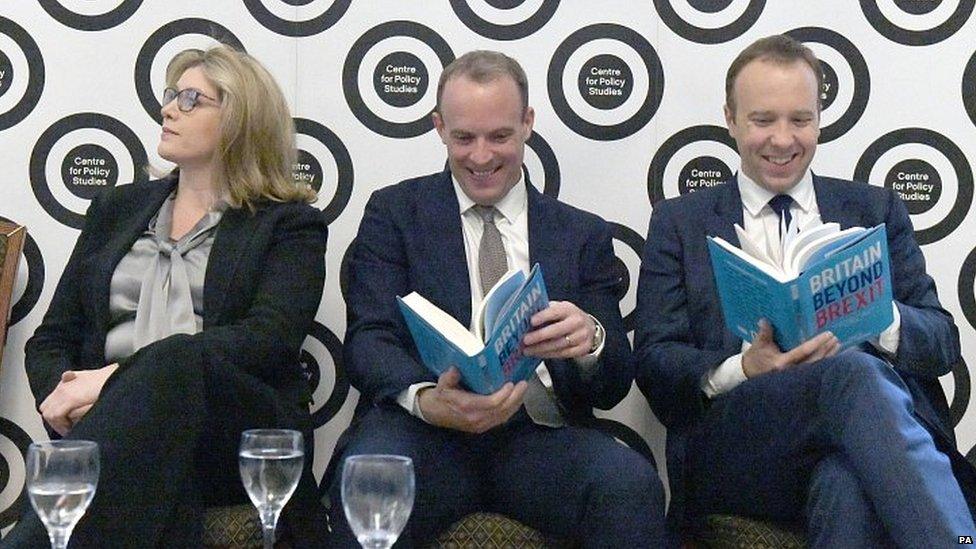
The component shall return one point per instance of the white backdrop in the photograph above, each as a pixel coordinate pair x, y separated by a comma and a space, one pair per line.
78, 112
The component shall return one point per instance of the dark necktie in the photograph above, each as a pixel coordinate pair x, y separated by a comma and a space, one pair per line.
781, 205
492, 263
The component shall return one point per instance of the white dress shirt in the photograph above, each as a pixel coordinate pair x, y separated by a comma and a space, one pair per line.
761, 223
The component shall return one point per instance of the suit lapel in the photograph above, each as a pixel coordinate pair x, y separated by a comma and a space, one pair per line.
545, 237
233, 235
835, 206
726, 213
446, 265
120, 240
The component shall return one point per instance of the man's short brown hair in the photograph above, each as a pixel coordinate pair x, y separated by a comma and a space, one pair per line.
780, 49
484, 66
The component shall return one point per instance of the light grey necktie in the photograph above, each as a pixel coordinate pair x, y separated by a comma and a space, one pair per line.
492, 263
540, 403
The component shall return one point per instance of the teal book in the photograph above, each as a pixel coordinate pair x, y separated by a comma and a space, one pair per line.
828, 280
491, 355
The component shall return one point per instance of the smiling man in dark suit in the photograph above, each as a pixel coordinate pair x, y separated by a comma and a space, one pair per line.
858, 443
520, 451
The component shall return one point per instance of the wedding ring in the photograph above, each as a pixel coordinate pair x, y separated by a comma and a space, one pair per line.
569, 341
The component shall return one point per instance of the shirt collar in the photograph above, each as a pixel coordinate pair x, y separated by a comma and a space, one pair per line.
510, 206
755, 197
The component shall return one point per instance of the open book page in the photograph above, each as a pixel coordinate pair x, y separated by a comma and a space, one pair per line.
804, 238
754, 250
821, 247
496, 298
765, 266
444, 323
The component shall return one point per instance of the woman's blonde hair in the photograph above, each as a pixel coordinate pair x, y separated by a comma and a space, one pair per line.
256, 148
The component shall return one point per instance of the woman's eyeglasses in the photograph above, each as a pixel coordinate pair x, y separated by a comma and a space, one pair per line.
186, 99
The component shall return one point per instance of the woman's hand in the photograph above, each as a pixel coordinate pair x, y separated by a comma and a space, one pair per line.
74, 396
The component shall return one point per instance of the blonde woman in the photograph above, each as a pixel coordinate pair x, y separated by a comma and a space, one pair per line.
179, 317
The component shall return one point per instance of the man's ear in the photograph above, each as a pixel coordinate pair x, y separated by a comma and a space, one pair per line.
528, 120
729, 119
439, 125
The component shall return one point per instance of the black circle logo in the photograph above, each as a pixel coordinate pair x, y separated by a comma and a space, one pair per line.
310, 167
829, 92
861, 80
967, 288
969, 88
550, 165
910, 37
710, 6
6, 73
635, 243
156, 41
35, 73
21, 440
918, 7
350, 76
504, 31
87, 169
307, 171
605, 82
960, 395
91, 170
400, 79
948, 149
35, 279
699, 172
917, 183
107, 20
715, 35
614, 84
308, 27
703, 172
321, 337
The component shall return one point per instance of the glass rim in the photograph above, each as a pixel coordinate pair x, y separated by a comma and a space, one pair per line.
377, 458
271, 432
64, 444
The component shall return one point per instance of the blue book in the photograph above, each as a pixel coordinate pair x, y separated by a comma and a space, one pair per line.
491, 355
829, 280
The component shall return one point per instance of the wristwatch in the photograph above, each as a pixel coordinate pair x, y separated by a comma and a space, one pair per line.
598, 334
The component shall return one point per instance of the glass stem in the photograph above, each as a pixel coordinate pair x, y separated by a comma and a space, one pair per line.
59, 537
268, 521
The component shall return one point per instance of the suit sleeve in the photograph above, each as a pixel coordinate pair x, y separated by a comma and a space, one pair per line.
263, 340
378, 350
612, 375
669, 364
57, 343
928, 345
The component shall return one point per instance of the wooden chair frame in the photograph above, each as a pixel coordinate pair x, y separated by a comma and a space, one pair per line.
12, 238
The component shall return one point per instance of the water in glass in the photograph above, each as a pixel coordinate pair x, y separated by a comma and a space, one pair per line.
377, 496
61, 480
271, 465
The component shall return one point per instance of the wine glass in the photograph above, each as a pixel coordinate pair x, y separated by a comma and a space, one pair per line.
271, 464
61, 480
377, 496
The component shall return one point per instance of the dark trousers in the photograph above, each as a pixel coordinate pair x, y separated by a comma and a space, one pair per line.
168, 437
572, 483
835, 444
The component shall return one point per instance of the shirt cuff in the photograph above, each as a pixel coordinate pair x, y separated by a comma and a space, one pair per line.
724, 377
408, 400
887, 340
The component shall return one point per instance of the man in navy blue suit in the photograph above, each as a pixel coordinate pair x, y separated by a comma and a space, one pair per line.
857, 444
522, 451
